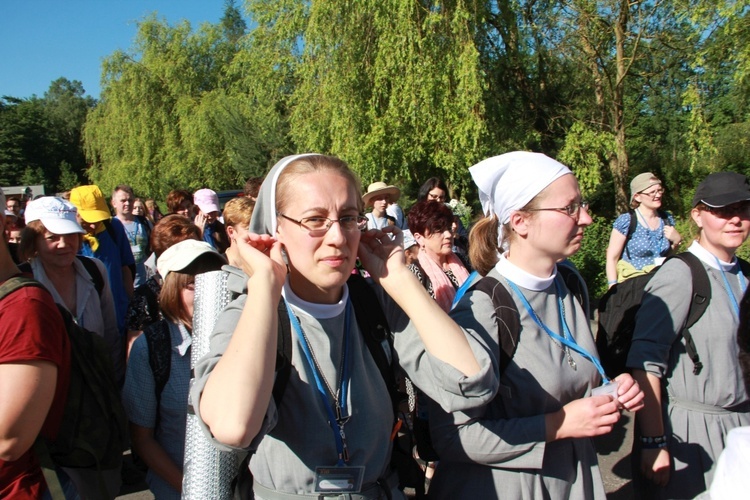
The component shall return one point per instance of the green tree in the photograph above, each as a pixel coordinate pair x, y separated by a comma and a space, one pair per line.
395, 89
171, 114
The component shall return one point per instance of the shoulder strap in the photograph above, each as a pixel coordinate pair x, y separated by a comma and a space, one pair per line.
744, 267
701, 296
111, 230
631, 229
159, 356
283, 353
506, 317
94, 272
575, 284
374, 328
12, 284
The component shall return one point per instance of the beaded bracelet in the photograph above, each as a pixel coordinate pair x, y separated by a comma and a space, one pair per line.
653, 442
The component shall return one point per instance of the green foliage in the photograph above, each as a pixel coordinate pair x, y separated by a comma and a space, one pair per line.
172, 114
590, 259
585, 151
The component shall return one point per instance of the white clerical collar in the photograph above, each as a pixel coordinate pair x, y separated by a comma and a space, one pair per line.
710, 259
318, 311
521, 277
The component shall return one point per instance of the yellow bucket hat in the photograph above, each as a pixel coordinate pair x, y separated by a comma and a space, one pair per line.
90, 202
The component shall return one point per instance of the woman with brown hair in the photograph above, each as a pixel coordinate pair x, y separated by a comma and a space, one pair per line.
143, 309
438, 268
157, 421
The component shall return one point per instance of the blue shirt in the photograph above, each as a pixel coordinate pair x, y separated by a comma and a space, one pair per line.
114, 254
645, 244
139, 398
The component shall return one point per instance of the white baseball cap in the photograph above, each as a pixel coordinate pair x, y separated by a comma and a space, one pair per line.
182, 254
57, 215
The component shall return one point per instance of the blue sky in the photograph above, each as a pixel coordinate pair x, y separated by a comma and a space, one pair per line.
42, 40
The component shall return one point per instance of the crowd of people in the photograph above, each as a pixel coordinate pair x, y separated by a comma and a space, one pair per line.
305, 247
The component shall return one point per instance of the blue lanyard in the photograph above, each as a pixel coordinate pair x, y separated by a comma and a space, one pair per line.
567, 338
464, 286
339, 416
740, 279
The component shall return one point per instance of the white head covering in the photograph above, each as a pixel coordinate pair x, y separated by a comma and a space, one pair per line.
263, 220
510, 181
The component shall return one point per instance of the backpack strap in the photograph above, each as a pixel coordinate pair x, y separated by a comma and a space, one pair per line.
701, 296
375, 330
283, 353
506, 317
14, 283
159, 357
94, 272
575, 284
631, 229
372, 325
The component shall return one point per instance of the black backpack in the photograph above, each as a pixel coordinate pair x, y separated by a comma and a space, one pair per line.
619, 306
93, 432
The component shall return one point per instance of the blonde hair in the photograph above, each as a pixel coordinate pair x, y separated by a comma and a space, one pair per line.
310, 164
483, 244
238, 211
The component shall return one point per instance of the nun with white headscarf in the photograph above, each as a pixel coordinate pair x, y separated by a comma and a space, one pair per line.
533, 440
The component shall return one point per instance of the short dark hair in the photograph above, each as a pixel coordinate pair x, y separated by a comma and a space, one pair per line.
252, 186
430, 214
175, 199
170, 230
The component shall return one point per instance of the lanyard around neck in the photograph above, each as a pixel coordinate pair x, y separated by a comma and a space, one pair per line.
567, 338
337, 414
740, 280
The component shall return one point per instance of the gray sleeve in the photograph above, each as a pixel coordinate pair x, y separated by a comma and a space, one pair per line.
219, 341
442, 382
474, 436
661, 317
512, 443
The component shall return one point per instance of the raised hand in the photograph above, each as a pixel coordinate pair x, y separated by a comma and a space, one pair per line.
381, 255
261, 253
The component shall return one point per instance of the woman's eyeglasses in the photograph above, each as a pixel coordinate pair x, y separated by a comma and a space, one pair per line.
655, 192
741, 210
572, 210
318, 226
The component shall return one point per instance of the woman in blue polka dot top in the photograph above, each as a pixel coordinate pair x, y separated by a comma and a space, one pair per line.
654, 235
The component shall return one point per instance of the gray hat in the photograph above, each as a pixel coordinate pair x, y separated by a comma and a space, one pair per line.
642, 182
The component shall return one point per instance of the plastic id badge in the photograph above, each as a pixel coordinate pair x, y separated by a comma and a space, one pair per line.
606, 390
339, 479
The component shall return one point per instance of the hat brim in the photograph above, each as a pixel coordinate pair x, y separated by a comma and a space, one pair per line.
94, 215
632, 196
207, 208
392, 191
184, 258
61, 226
722, 200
